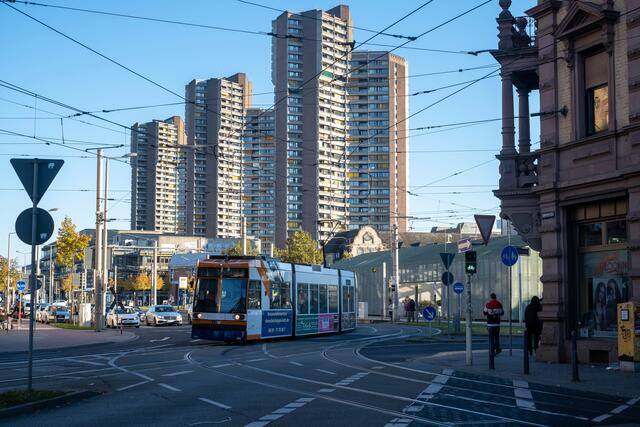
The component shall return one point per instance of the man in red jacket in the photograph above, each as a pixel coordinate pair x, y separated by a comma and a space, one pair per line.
493, 310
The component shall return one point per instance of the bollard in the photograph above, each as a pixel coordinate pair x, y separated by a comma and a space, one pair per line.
526, 352
492, 361
574, 358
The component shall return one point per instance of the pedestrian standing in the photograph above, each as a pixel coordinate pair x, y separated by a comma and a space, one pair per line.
412, 310
405, 305
493, 310
533, 324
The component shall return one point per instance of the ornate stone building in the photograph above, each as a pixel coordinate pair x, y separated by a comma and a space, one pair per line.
575, 197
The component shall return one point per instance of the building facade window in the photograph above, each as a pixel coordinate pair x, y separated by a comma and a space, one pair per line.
596, 84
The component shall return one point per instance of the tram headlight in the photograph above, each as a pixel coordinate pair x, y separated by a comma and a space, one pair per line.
237, 317
199, 315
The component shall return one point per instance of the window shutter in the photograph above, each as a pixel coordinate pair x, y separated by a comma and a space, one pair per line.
596, 70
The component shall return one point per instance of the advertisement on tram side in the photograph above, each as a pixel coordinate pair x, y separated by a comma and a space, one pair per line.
276, 323
314, 323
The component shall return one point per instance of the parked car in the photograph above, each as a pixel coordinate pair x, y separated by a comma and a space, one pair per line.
61, 303
56, 314
122, 316
40, 312
162, 315
140, 312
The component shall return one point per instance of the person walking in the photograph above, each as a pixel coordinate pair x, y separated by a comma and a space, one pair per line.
493, 310
533, 324
411, 310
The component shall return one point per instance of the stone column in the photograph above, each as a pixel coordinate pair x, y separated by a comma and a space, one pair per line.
508, 127
524, 137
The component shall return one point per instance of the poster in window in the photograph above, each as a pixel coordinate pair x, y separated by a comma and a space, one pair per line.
607, 293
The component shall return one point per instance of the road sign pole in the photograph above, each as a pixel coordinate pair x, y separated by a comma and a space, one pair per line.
449, 311
468, 339
510, 315
32, 282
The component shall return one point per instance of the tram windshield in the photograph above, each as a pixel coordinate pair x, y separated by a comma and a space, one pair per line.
221, 294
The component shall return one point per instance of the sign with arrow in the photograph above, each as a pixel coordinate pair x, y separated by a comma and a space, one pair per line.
429, 313
464, 245
447, 259
47, 171
21, 286
485, 224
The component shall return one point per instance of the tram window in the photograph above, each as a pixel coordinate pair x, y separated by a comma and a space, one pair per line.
313, 305
236, 273
280, 298
333, 299
303, 298
208, 272
345, 298
323, 299
352, 299
254, 295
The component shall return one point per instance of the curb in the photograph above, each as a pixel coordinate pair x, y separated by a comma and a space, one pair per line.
27, 408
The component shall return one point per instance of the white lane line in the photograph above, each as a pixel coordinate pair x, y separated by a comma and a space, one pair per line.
85, 361
326, 372
196, 340
326, 390
221, 365
601, 418
525, 403
214, 403
280, 412
174, 374
266, 352
256, 360
633, 401
524, 398
522, 393
169, 387
131, 386
619, 409
377, 367
295, 363
520, 384
160, 340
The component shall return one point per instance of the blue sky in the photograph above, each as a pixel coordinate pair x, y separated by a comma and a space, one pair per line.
44, 62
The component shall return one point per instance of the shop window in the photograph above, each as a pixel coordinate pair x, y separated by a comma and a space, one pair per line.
596, 85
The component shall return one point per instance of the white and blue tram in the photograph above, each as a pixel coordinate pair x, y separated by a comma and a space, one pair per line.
255, 298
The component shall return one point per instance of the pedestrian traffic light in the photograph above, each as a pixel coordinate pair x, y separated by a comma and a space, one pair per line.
470, 262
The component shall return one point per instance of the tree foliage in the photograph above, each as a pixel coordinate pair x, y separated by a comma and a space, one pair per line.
236, 250
70, 245
301, 248
10, 268
142, 282
67, 285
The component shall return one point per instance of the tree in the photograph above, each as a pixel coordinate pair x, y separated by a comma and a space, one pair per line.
10, 268
301, 248
70, 245
67, 286
142, 282
236, 250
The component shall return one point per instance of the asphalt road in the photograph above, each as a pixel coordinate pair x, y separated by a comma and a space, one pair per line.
361, 378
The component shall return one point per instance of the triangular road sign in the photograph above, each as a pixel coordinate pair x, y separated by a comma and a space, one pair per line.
447, 259
47, 171
485, 224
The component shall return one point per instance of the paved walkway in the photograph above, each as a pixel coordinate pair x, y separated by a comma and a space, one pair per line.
49, 337
592, 377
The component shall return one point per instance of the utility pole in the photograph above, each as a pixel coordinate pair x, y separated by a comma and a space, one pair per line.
385, 288
468, 335
8, 292
97, 265
395, 276
244, 236
105, 236
154, 272
51, 298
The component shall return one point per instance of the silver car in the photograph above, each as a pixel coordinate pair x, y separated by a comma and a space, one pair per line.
162, 315
41, 312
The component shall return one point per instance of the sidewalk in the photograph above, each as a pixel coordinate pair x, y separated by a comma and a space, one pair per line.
47, 337
593, 378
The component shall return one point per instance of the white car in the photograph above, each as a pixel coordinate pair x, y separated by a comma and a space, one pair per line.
122, 316
162, 315
41, 312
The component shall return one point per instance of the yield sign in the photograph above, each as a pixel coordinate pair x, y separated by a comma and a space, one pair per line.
447, 259
47, 170
485, 224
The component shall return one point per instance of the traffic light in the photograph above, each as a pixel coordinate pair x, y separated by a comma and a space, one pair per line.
470, 262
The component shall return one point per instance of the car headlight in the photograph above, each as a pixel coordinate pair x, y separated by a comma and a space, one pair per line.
179, 317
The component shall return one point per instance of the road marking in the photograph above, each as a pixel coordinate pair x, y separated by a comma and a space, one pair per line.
160, 340
70, 359
633, 401
326, 372
131, 386
326, 390
221, 365
617, 410
520, 383
266, 352
256, 360
280, 412
173, 374
214, 403
196, 340
377, 367
601, 418
169, 387
352, 378
523, 393
295, 363
524, 398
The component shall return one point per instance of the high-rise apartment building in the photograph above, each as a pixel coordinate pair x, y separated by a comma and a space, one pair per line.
309, 71
158, 176
377, 174
259, 179
214, 122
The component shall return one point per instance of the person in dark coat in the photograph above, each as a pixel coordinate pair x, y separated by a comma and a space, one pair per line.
493, 310
533, 324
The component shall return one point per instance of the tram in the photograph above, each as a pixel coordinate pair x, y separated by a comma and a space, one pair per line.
239, 299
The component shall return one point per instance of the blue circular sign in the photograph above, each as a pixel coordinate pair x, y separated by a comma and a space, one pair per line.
447, 278
21, 286
429, 313
458, 287
509, 255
